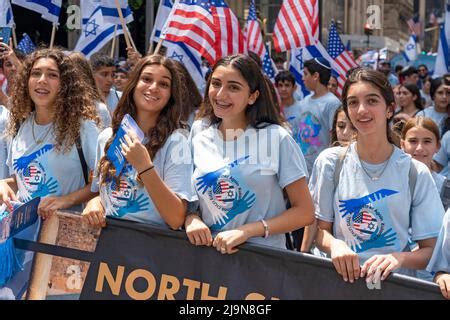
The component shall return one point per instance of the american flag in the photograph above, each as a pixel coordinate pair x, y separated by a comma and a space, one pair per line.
253, 34
26, 45
415, 25
268, 65
122, 190
364, 222
229, 36
31, 174
297, 25
340, 56
209, 27
224, 191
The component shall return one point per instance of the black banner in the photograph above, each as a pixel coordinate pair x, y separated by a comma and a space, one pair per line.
136, 261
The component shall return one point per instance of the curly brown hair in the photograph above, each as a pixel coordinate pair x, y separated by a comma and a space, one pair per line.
169, 120
72, 104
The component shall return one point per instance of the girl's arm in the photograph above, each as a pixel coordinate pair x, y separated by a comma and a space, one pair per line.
49, 205
387, 263
344, 259
171, 208
299, 215
8, 190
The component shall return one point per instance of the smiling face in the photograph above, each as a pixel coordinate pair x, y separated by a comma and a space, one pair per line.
421, 144
367, 109
44, 83
153, 90
229, 94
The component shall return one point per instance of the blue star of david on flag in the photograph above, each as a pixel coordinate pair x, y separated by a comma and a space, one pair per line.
93, 30
177, 56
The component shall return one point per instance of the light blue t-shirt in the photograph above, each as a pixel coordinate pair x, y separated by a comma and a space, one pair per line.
4, 142
40, 172
437, 117
242, 181
129, 199
440, 260
443, 155
311, 121
373, 217
113, 99
103, 114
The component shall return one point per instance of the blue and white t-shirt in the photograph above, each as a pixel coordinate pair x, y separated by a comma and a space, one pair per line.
373, 217
4, 142
242, 181
41, 171
440, 260
311, 121
128, 199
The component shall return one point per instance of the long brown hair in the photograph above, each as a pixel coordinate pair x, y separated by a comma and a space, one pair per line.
168, 120
376, 79
72, 103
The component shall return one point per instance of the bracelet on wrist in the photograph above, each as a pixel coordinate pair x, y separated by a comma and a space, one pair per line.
144, 171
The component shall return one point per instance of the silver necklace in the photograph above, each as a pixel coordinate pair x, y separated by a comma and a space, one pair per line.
39, 141
374, 178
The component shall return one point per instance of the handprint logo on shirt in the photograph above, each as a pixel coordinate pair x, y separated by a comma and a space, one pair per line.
123, 196
362, 224
225, 193
32, 175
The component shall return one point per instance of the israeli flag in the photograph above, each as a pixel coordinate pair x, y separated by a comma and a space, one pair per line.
95, 31
6, 20
298, 57
49, 9
165, 6
110, 13
193, 63
442, 65
410, 52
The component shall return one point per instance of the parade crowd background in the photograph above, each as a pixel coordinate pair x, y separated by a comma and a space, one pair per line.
359, 150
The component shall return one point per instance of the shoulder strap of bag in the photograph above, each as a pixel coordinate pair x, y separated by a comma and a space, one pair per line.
339, 164
82, 160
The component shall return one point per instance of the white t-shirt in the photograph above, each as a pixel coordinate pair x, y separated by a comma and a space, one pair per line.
440, 260
373, 217
242, 181
113, 99
4, 142
129, 199
311, 121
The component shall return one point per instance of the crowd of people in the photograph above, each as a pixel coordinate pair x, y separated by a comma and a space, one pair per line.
359, 177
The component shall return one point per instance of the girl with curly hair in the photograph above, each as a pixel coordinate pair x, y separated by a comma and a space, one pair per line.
154, 186
50, 116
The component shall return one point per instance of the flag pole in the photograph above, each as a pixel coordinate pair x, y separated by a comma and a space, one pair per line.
52, 40
132, 42
14, 36
124, 25
158, 47
113, 46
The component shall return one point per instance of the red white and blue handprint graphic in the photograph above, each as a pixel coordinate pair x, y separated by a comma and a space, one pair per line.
362, 224
122, 196
225, 193
32, 175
